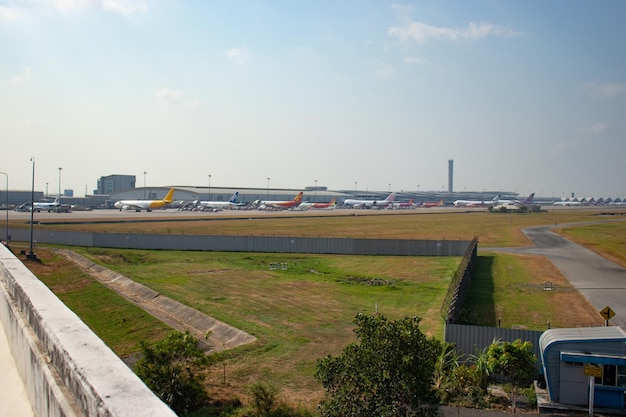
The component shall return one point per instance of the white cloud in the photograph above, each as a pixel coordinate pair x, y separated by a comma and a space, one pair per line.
9, 13
22, 78
175, 98
47, 7
125, 7
240, 55
421, 32
595, 129
606, 89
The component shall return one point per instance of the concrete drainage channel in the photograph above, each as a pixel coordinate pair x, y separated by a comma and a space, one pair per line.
171, 312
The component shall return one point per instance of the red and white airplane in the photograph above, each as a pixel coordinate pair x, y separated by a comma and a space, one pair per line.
283, 204
318, 206
404, 205
429, 204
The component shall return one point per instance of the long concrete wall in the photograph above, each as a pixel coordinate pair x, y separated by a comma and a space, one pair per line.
66, 368
278, 244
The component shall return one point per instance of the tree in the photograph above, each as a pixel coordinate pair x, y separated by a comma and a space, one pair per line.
515, 361
388, 373
170, 369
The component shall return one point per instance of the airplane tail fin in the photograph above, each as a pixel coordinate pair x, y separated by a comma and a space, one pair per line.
57, 200
169, 197
332, 202
496, 198
440, 203
529, 199
233, 199
391, 197
298, 197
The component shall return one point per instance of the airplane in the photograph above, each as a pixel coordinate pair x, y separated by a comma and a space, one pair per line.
355, 203
220, 205
404, 205
49, 207
529, 200
567, 203
429, 204
477, 203
282, 204
147, 205
318, 206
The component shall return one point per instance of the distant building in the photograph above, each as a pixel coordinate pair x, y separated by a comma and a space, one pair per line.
450, 176
115, 183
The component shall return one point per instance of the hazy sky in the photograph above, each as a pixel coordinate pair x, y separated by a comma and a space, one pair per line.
523, 95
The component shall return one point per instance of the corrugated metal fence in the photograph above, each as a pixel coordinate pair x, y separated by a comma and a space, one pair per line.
469, 340
278, 244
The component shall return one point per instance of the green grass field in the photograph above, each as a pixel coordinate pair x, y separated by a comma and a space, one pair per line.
305, 312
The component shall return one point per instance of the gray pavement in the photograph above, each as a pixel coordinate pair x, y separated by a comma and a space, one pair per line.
598, 279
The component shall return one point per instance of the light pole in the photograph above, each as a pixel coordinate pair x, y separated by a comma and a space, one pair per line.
31, 255
209, 187
268, 188
59, 194
144, 185
355, 187
7, 207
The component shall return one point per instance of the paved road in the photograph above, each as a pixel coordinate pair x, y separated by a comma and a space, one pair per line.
601, 281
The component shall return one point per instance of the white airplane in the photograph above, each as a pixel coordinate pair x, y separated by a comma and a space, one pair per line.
567, 203
477, 203
49, 207
529, 200
147, 205
356, 203
220, 205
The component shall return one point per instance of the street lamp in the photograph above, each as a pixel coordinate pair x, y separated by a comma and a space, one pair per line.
268, 188
7, 207
31, 255
144, 185
59, 194
209, 186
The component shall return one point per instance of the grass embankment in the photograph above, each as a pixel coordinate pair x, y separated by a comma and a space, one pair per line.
525, 292
120, 324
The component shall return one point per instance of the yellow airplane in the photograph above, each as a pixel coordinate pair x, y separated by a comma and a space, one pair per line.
147, 205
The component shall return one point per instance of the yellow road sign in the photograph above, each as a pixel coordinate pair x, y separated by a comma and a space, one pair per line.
593, 370
607, 313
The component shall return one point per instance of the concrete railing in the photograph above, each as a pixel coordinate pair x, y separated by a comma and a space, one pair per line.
66, 368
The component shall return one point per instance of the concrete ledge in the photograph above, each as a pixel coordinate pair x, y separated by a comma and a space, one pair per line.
67, 369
